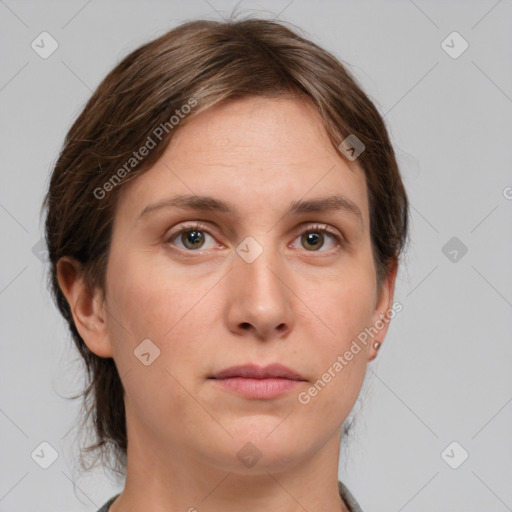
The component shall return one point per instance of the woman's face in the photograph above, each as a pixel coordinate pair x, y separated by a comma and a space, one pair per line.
242, 269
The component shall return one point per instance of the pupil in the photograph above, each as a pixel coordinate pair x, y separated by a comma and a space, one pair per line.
193, 237
312, 238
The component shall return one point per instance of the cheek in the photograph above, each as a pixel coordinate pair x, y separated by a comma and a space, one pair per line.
150, 299
148, 302
345, 304
162, 303
159, 302
341, 361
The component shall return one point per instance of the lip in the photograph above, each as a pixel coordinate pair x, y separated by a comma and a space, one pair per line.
252, 381
252, 371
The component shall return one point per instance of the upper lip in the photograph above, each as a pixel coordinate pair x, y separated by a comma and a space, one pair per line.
252, 371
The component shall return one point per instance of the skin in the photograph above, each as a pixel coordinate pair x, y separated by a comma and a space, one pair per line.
206, 309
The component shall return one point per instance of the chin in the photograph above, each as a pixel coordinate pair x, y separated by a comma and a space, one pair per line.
257, 449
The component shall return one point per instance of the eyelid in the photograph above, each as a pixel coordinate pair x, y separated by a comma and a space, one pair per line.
303, 228
187, 226
319, 226
324, 228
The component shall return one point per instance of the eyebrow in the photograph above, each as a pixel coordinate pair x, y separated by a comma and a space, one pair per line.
212, 204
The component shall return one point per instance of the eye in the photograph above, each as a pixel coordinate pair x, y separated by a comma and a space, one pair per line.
191, 238
315, 237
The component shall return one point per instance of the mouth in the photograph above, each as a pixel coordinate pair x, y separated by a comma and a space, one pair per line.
255, 382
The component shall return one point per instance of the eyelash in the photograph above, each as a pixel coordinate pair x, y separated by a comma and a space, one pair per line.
321, 228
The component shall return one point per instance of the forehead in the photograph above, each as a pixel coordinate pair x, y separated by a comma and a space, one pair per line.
272, 130
254, 153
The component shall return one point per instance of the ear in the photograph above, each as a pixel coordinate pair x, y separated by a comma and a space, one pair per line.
86, 305
384, 310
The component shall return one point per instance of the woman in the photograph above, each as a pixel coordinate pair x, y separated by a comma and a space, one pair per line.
224, 226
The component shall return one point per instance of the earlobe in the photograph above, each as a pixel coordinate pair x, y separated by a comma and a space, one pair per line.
384, 306
86, 306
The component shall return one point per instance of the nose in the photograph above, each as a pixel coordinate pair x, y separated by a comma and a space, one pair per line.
260, 297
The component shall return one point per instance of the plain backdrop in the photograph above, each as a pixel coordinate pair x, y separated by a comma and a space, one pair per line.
444, 373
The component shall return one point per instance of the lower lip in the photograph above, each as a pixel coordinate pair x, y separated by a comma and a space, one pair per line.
258, 388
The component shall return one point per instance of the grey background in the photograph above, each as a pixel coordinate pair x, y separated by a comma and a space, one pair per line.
444, 372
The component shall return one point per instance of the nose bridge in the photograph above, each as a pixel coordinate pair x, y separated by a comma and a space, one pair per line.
258, 264
260, 296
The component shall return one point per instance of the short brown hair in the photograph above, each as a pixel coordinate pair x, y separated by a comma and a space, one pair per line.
199, 64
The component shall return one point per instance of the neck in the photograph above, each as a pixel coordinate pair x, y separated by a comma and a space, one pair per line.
175, 478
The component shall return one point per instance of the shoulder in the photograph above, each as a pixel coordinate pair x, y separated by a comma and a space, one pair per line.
344, 493
107, 505
348, 498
